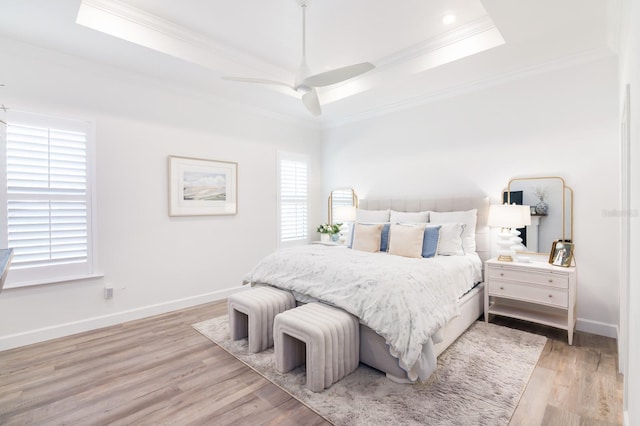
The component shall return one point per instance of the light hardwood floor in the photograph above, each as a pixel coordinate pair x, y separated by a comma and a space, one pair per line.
159, 370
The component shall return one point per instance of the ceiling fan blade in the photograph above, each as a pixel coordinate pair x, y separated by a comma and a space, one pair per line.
311, 101
257, 80
338, 75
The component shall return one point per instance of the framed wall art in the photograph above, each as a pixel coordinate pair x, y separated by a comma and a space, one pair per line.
199, 187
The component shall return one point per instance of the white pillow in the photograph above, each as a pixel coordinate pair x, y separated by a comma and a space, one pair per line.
406, 240
367, 237
408, 217
467, 218
450, 243
372, 216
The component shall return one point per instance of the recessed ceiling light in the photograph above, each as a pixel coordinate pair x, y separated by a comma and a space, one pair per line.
449, 18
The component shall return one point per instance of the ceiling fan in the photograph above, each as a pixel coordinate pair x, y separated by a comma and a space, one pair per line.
305, 82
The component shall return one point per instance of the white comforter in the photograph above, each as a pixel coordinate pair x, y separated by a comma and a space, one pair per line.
404, 300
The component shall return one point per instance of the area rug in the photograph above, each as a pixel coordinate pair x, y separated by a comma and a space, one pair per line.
479, 381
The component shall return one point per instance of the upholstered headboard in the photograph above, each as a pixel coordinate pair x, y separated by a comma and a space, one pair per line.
441, 205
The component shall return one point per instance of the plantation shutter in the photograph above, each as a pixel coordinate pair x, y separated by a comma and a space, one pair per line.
293, 198
48, 197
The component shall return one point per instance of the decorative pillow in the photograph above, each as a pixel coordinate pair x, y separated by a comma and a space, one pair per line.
408, 217
431, 240
450, 243
367, 237
384, 235
372, 216
468, 218
406, 240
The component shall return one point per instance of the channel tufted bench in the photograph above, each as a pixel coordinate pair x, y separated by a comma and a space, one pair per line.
329, 336
251, 314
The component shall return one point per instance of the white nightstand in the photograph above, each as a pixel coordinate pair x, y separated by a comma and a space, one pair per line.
536, 292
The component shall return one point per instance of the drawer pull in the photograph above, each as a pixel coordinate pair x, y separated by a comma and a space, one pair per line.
501, 288
551, 295
502, 274
550, 280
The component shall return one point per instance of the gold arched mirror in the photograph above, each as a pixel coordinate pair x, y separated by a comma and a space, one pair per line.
551, 202
342, 205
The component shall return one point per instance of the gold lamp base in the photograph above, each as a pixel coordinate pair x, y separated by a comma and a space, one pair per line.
505, 258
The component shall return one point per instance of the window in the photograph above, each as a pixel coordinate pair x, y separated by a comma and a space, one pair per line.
293, 171
46, 218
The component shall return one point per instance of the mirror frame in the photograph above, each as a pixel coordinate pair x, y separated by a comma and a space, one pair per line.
354, 200
566, 189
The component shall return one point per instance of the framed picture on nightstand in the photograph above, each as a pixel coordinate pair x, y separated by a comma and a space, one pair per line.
561, 253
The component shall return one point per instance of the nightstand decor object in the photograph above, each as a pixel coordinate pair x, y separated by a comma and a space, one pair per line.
561, 253
346, 215
538, 292
508, 217
327, 232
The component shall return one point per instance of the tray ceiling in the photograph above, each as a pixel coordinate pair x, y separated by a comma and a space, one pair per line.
192, 43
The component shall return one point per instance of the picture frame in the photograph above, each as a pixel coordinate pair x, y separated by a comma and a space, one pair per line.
201, 187
561, 253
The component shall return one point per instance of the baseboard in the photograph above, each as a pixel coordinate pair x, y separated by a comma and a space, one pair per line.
625, 414
61, 330
597, 327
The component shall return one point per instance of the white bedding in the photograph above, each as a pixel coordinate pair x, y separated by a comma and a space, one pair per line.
405, 300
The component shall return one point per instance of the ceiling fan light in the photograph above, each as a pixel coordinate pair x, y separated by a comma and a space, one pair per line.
303, 89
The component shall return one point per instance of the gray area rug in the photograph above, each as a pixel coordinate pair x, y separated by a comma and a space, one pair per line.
479, 381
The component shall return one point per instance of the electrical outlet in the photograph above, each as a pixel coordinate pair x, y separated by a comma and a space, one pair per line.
108, 292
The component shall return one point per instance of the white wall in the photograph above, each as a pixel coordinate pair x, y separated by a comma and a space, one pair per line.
155, 263
560, 123
630, 294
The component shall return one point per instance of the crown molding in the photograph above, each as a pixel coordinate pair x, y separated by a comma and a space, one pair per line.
470, 39
201, 49
579, 58
432, 44
11, 48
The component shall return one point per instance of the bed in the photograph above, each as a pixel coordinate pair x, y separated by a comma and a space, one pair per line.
397, 336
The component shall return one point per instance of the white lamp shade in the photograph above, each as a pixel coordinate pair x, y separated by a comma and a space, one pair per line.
509, 216
526, 216
345, 214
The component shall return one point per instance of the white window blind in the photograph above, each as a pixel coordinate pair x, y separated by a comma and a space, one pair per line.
47, 212
293, 197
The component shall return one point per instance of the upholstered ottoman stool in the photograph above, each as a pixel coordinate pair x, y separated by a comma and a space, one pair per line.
251, 313
329, 336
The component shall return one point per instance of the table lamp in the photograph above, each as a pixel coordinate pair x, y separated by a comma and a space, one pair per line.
508, 217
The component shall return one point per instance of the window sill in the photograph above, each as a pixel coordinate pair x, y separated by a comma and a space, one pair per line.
56, 280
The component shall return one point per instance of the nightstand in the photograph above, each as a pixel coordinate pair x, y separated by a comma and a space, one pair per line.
535, 291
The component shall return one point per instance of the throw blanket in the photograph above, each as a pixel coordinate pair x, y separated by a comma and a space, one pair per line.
404, 300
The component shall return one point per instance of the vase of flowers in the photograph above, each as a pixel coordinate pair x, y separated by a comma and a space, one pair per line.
329, 232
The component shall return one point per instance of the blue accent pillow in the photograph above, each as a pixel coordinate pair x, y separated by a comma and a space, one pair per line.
430, 241
384, 238
352, 231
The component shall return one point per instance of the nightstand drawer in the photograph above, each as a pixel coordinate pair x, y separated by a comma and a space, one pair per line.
542, 278
546, 295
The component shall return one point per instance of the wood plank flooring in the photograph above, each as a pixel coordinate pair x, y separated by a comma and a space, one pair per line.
159, 370
571, 385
